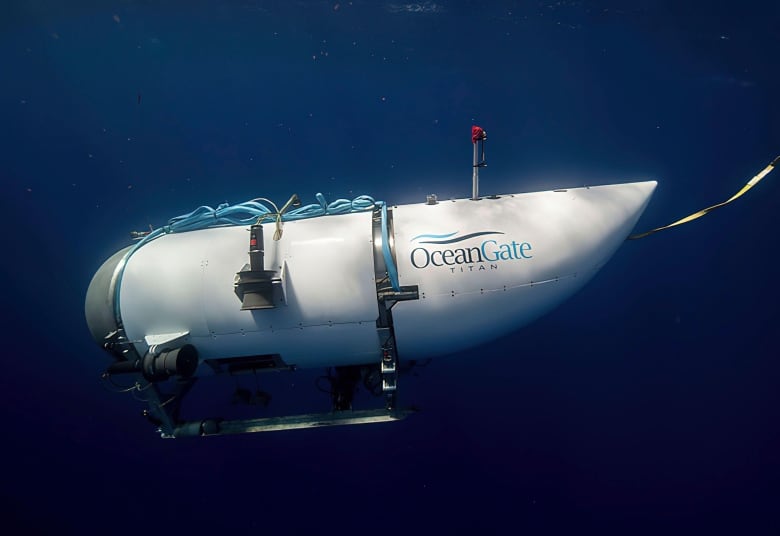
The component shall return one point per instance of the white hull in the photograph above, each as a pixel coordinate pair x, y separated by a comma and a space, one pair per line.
527, 253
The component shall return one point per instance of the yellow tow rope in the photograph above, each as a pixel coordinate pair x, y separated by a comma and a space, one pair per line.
696, 215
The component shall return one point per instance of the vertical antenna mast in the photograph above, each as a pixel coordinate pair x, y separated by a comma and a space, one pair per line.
478, 137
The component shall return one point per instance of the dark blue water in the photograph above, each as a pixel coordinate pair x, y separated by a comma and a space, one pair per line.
648, 403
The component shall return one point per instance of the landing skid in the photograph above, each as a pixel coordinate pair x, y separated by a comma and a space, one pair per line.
289, 422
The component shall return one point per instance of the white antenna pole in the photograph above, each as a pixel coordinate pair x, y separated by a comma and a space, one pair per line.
475, 176
478, 137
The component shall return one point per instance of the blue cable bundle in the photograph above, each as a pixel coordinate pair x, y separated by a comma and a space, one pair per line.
339, 206
249, 212
253, 211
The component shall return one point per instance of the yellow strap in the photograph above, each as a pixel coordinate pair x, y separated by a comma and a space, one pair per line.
696, 215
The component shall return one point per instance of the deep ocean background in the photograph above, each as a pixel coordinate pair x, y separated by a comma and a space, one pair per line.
648, 403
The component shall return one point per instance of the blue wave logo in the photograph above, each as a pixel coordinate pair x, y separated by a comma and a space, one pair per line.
446, 238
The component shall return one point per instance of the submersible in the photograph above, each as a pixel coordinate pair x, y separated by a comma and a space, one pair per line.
356, 287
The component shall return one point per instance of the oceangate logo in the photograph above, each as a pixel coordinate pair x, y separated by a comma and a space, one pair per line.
490, 251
